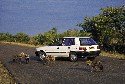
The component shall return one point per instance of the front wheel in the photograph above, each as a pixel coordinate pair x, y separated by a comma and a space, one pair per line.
73, 57
42, 55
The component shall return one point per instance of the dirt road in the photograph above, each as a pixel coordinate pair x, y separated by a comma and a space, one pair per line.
60, 71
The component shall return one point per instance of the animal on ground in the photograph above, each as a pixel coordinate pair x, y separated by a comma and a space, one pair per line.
96, 65
20, 57
48, 59
27, 58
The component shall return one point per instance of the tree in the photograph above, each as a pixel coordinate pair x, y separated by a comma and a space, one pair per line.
107, 28
109, 24
22, 37
74, 33
51, 36
6, 37
40, 39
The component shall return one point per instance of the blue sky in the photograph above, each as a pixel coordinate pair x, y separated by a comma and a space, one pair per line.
38, 16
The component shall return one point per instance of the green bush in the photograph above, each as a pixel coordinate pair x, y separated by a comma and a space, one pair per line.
21, 37
6, 37
39, 39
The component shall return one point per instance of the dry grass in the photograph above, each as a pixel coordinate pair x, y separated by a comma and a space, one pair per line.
20, 44
114, 55
5, 76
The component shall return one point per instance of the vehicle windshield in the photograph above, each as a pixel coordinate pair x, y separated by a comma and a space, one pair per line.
87, 41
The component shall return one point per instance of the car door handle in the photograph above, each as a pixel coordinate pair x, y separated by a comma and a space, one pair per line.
68, 47
58, 48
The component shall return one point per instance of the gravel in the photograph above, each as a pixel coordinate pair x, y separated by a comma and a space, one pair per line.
62, 71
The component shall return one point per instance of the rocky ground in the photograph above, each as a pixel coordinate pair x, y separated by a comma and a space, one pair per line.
5, 76
62, 71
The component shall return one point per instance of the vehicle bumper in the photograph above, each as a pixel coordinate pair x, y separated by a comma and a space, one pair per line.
88, 54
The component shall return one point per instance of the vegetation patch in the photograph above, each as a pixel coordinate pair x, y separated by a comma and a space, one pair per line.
5, 76
114, 55
20, 44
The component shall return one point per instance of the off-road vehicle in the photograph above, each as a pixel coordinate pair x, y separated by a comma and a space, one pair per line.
71, 47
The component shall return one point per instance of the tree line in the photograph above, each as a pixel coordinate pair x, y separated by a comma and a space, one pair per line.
107, 28
47, 38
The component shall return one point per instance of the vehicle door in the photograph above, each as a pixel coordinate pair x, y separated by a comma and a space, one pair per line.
65, 48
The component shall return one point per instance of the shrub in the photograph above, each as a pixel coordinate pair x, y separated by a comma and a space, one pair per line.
21, 37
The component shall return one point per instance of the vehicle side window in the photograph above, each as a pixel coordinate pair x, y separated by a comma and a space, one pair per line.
87, 41
60, 41
68, 41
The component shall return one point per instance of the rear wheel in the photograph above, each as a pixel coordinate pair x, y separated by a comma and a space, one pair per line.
73, 57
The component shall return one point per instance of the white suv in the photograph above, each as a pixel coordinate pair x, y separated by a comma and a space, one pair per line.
72, 47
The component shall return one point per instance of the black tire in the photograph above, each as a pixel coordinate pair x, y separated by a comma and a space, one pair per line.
73, 57
42, 55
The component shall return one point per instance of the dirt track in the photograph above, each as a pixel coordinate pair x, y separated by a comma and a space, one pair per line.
60, 71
